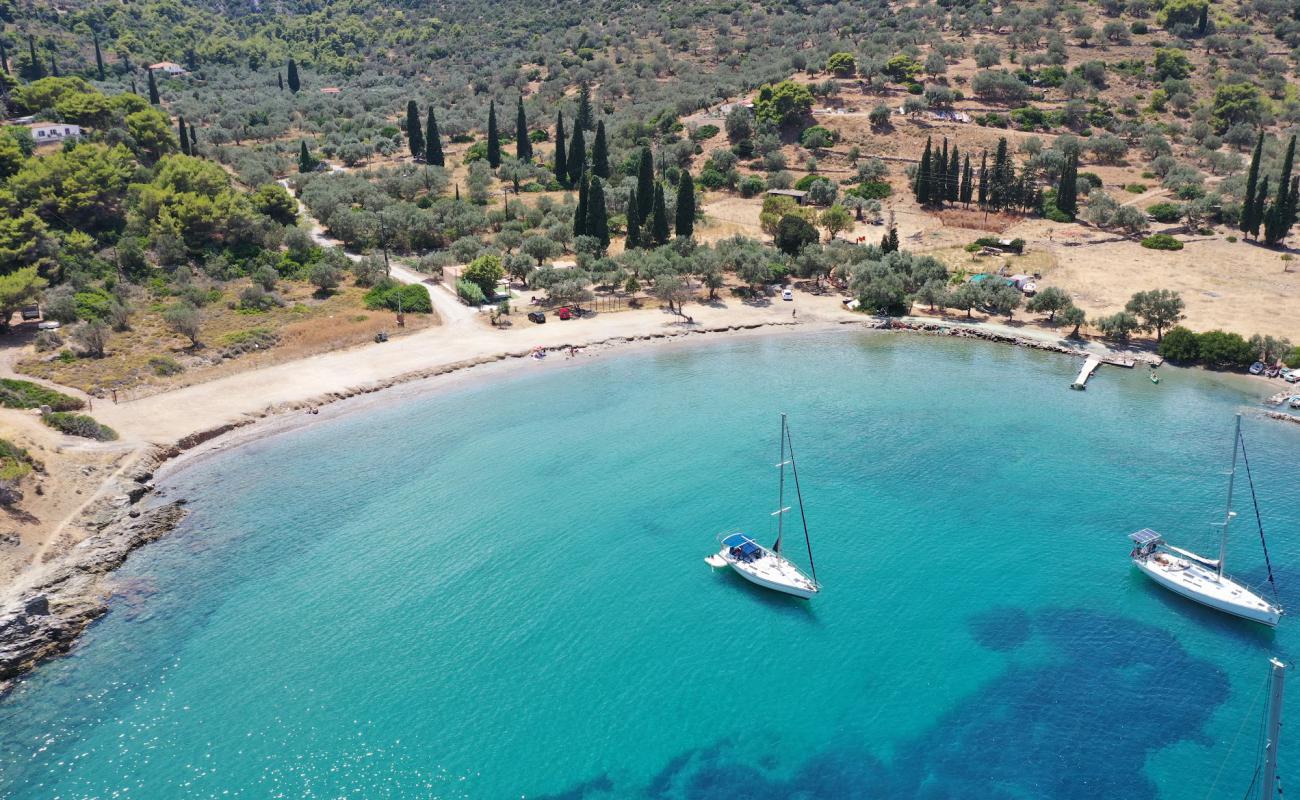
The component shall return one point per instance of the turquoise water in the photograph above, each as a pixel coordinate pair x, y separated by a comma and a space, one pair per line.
498, 592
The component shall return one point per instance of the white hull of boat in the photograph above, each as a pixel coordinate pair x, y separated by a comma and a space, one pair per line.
1195, 582
771, 572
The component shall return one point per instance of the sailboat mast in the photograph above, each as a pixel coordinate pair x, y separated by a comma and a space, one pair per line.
1232, 478
794, 470
780, 502
1268, 791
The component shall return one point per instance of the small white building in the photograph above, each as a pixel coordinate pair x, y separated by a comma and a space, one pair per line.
43, 132
168, 67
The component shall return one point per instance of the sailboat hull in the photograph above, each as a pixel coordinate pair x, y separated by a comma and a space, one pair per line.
1205, 586
775, 585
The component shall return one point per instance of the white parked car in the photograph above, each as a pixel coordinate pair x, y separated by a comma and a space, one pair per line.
1293, 376
786, 294
48, 325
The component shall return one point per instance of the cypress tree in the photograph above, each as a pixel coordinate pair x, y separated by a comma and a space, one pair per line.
34, 69
921, 188
194, 140
1002, 179
597, 215
4, 57
939, 176
659, 224
967, 179
99, 59
294, 84
182, 136
580, 214
633, 222
523, 145
984, 178
1067, 192
645, 184
279, 80
577, 155
414, 137
305, 162
54, 66
954, 175
1257, 207
432, 142
153, 90
889, 242
561, 159
685, 221
493, 137
1203, 22
1248, 220
584, 119
1278, 220
600, 153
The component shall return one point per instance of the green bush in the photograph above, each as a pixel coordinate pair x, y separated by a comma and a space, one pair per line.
1292, 359
803, 183
1016, 246
872, 190
164, 366
93, 304
25, 394
704, 133
1166, 212
411, 297
1220, 349
1050, 211
1180, 344
14, 461
79, 425
1135, 188
1162, 241
751, 186
470, 292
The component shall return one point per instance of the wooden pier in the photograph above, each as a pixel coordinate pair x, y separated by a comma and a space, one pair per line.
1089, 367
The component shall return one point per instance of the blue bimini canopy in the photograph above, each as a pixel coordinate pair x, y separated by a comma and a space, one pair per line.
746, 544
1145, 536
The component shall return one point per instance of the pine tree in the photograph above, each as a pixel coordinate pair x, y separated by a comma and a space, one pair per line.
523, 145
305, 162
414, 137
493, 137
600, 153
685, 221
154, 99
1248, 220
632, 240
580, 213
561, 158
432, 142
584, 120
1257, 207
645, 184
984, 179
597, 214
1278, 219
921, 187
953, 183
294, 83
182, 136
659, 223
99, 59
577, 155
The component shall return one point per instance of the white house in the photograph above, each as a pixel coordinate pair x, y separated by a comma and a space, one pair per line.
44, 132
168, 67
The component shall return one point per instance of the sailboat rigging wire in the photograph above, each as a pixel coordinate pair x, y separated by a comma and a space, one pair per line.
794, 469
1249, 713
1259, 521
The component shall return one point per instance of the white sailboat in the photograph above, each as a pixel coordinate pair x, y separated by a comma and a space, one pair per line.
761, 565
1202, 579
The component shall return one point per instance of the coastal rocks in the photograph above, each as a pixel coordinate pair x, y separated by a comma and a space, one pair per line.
1278, 415
46, 620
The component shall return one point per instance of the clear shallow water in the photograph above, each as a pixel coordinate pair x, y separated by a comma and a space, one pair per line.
499, 592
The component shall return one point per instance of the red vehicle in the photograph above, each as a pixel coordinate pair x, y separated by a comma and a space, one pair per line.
563, 312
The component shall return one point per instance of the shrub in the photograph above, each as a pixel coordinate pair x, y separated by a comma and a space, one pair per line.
751, 186
1179, 344
872, 190
1166, 212
25, 394
79, 425
15, 462
237, 343
1292, 359
1135, 188
470, 292
1050, 211
47, 341
1220, 349
1119, 326
410, 297
816, 137
704, 133
1162, 241
1016, 246
164, 366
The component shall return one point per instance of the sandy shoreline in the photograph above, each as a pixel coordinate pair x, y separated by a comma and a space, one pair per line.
43, 613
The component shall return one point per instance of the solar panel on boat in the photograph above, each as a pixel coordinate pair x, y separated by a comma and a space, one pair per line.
1144, 536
